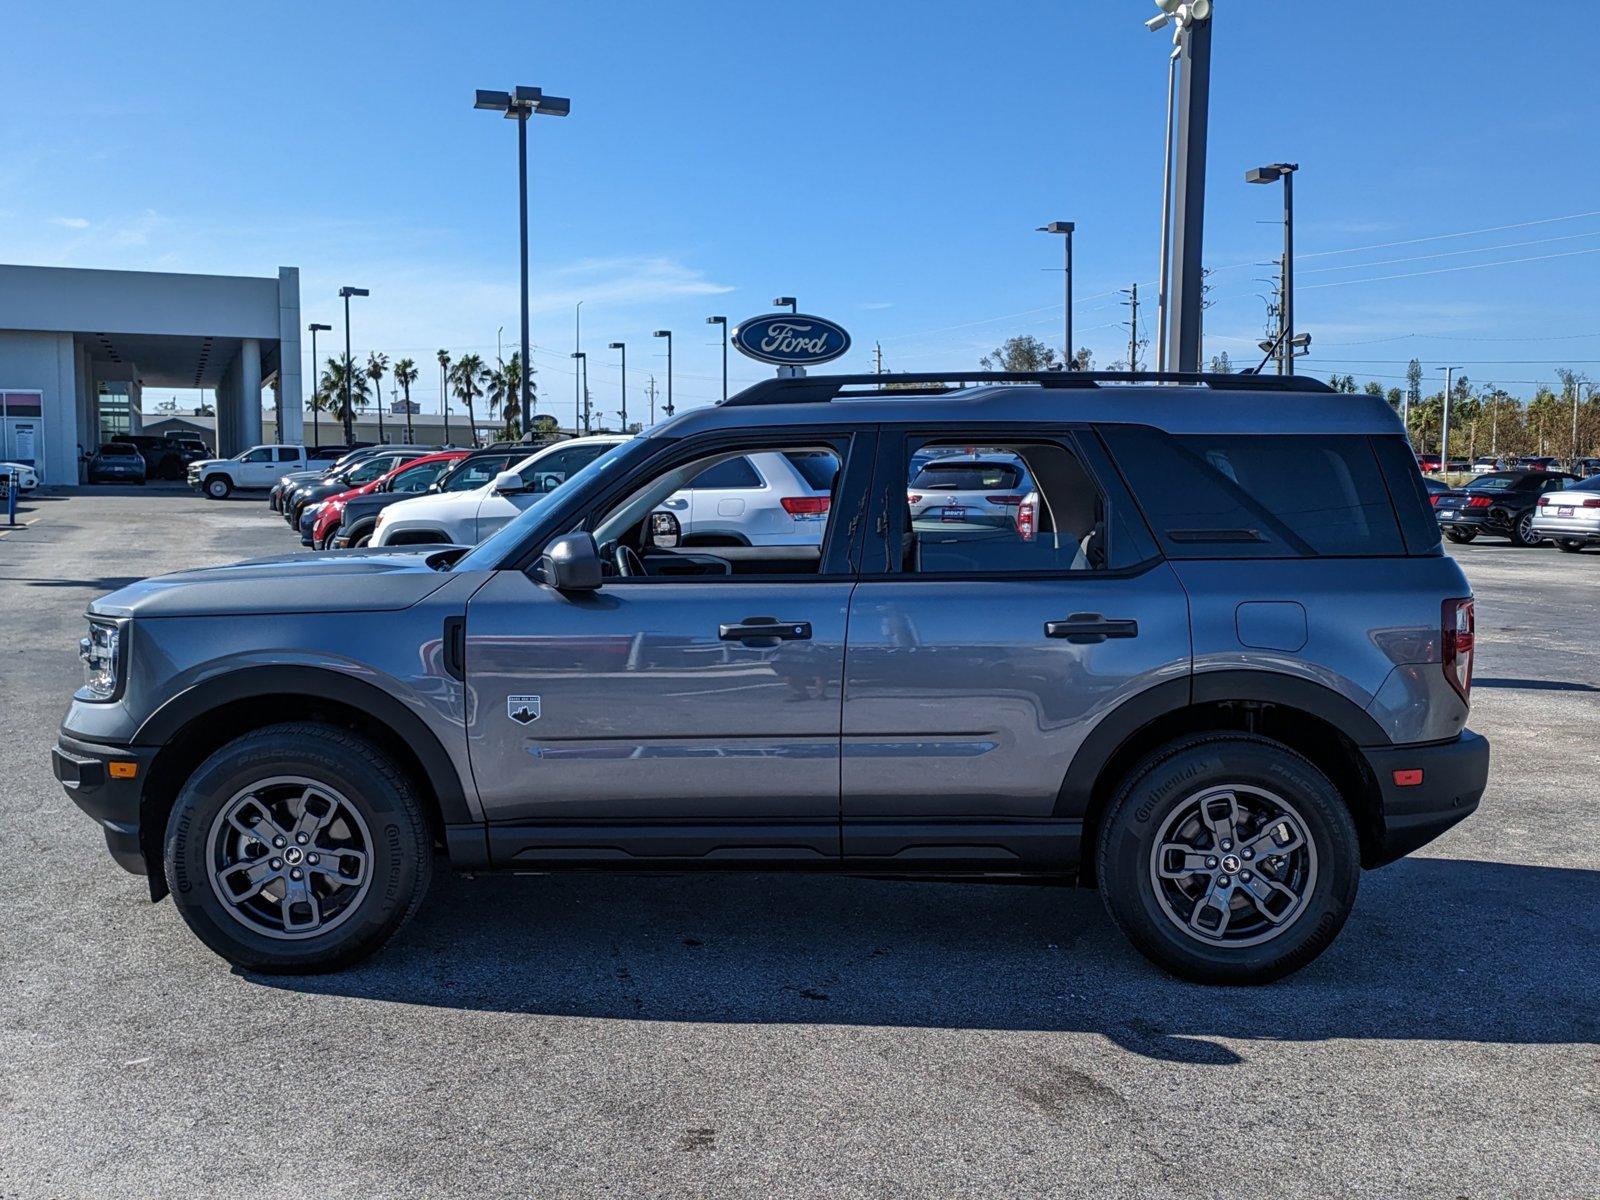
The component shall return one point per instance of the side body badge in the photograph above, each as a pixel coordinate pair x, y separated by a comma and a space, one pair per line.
524, 710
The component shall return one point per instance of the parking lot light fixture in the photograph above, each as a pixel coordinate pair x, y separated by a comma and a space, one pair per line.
580, 405
316, 401
518, 105
623, 411
667, 333
349, 364
723, 321
1066, 228
788, 302
1272, 174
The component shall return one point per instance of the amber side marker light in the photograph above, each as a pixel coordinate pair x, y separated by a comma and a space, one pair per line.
125, 770
1407, 778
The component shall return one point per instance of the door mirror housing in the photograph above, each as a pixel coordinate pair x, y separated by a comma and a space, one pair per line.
508, 481
571, 563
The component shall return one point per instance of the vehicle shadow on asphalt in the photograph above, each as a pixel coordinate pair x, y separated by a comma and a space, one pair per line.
1438, 949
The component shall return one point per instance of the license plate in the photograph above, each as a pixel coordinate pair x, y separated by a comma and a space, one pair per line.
954, 512
1564, 511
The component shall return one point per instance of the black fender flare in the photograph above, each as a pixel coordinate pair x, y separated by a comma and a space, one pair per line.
1207, 687
276, 680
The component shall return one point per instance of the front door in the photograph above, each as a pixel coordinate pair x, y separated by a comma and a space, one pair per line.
688, 708
983, 651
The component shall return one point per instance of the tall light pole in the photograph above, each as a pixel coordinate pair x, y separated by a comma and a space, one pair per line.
1193, 41
349, 364
1065, 227
667, 333
1444, 421
581, 398
788, 302
623, 346
723, 321
518, 105
1271, 174
316, 407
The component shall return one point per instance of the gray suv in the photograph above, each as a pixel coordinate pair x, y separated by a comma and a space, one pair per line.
1216, 668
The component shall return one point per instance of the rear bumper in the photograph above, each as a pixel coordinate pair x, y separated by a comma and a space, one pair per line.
1454, 775
84, 771
1566, 528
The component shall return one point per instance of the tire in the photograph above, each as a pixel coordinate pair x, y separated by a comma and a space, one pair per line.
1237, 941
218, 487
364, 540
1461, 536
375, 860
1570, 545
1522, 531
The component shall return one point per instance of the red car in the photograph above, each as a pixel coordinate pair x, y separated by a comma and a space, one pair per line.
415, 476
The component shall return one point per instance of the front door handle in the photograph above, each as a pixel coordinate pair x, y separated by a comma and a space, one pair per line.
764, 629
1084, 629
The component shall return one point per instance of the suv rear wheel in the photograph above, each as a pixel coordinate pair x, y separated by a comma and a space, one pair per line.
1228, 858
297, 847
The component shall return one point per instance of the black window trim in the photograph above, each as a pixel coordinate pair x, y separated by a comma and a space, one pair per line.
894, 458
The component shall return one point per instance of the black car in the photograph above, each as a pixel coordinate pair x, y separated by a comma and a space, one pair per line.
164, 457
1499, 504
366, 470
117, 462
477, 469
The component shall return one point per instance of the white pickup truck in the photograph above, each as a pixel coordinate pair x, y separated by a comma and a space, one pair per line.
256, 469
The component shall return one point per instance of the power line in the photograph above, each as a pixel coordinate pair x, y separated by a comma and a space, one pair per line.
1504, 262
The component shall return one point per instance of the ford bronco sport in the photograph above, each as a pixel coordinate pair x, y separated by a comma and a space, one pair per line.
1219, 668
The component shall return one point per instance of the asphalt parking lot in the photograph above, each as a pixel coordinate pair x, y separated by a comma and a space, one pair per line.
775, 1036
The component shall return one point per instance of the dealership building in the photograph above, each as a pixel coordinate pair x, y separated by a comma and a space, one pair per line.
77, 347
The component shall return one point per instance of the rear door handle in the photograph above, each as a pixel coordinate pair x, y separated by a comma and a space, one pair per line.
764, 629
1083, 629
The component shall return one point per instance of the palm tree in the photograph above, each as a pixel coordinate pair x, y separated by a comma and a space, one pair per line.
503, 387
377, 364
405, 374
444, 391
338, 372
467, 377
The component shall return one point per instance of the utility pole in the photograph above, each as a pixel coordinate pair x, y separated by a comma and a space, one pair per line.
1444, 422
1133, 326
877, 361
651, 391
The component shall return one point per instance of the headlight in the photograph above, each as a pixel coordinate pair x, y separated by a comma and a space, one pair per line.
101, 653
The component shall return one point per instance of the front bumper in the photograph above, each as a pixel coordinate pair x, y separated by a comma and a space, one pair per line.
85, 772
1453, 777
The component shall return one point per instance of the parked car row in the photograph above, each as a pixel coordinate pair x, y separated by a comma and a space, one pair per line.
1527, 507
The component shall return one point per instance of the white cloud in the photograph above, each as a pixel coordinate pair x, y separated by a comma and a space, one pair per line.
70, 222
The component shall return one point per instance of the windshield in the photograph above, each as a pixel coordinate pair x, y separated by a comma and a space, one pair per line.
488, 553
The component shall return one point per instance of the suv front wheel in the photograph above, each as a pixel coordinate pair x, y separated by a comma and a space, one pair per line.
297, 848
1228, 858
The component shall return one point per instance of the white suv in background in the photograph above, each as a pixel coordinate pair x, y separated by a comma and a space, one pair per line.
466, 518
767, 499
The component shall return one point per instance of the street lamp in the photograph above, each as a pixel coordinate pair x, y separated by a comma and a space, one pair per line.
518, 105
1444, 420
1065, 227
580, 381
623, 346
788, 302
349, 364
316, 408
723, 321
1271, 174
667, 333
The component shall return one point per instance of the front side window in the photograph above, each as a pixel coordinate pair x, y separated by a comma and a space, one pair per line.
550, 471
372, 469
474, 474
260, 455
985, 506
418, 479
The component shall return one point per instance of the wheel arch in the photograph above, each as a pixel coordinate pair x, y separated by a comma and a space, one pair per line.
195, 723
1311, 719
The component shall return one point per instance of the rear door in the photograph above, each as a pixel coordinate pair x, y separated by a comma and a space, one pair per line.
982, 654
722, 502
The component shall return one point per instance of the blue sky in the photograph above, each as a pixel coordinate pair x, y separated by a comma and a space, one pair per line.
885, 162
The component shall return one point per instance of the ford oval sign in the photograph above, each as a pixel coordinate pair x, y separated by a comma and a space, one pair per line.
791, 339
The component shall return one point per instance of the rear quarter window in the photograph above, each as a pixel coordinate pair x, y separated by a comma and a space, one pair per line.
1269, 495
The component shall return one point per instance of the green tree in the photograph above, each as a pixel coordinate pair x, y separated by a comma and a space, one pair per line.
1024, 353
503, 390
377, 364
1414, 382
405, 374
334, 377
1221, 364
444, 390
1373, 388
466, 380
1083, 360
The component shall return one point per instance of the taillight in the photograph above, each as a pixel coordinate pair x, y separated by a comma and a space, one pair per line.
1459, 627
1006, 500
914, 498
797, 506
1591, 504
1027, 517
1434, 499
1478, 502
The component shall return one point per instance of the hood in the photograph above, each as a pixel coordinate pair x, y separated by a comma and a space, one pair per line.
379, 580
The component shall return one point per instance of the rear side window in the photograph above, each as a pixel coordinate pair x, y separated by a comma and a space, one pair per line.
734, 473
816, 467
1259, 495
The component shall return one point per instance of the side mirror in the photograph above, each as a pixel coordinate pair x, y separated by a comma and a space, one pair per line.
665, 530
508, 481
571, 563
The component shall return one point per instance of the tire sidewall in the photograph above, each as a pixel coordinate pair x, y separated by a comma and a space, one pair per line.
217, 488
399, 858
1168, 780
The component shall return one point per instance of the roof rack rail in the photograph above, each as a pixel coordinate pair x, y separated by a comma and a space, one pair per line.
819, 389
